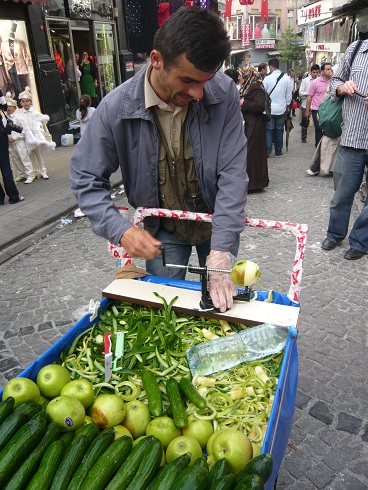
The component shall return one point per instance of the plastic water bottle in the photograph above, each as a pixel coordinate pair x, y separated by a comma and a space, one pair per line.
247, 345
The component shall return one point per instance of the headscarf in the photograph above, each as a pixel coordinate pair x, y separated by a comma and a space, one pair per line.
250, 75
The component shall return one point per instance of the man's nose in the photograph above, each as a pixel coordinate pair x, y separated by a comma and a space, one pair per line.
197, 91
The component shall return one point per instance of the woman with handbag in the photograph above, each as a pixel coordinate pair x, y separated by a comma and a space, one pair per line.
252, 102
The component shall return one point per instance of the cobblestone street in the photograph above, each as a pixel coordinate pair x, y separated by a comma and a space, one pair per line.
46, 283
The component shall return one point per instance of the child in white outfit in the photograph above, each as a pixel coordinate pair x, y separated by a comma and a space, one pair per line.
37, 136
18, 154
84, 113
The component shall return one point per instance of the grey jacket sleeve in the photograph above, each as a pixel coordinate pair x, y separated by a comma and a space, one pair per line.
93, 161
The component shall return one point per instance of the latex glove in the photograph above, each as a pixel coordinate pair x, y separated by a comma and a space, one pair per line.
221, 287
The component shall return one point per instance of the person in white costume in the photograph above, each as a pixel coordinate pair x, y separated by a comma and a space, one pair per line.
19, 158
36, 134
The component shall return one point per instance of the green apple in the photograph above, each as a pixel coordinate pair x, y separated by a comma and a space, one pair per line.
42, 400
234, 446
51, 379
181, 445
137, 417
135, 442
210, 461
108, 410
199, 429
81, 389
256, 449
209, 443
67, 412
121, 431
87, 420
164, 429
22, 390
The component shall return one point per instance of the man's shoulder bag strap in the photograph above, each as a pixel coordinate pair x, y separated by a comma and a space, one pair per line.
277, 81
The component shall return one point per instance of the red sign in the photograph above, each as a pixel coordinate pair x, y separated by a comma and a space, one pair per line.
245, 34
314, 12
264, 9
227, 14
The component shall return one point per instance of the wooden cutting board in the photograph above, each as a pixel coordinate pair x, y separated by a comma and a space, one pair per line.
252, 313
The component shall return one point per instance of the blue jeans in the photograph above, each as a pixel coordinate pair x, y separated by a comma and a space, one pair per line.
275, 133
348, 174
178, 252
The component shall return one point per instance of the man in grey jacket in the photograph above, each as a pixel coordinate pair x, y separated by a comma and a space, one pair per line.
175, 129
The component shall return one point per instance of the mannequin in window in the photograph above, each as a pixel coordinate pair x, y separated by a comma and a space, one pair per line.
16, 60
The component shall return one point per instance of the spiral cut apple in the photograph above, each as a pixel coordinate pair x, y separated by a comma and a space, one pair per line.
245, 273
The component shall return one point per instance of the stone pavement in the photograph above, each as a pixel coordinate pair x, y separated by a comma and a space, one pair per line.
42, 287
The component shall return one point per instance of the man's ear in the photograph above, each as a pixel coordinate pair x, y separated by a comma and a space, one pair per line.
156, 59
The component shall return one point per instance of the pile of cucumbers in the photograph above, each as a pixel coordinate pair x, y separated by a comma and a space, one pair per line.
36, 455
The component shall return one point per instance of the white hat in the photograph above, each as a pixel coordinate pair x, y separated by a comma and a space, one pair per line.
25, 95
11, 102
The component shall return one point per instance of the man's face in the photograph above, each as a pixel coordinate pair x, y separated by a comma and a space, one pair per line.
76, 57
10, 110
314, 74
25, 103
181, 83
263, 71
292, 73
327, 71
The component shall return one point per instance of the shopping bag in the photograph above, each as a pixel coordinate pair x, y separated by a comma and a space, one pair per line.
330, 116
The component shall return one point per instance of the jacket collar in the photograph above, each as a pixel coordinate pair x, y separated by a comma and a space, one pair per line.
133, 102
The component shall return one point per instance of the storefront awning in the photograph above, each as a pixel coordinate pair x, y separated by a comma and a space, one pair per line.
237, 51
273, 53
42, 2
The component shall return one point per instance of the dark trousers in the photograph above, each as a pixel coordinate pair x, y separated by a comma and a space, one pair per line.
304, 130
317, 130
6, 171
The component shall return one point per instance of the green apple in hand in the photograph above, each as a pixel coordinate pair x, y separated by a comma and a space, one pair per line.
234, 446
164, 429
137, 417
67, 412
81, 389
51, 379
181, 445
199, 429
22, 390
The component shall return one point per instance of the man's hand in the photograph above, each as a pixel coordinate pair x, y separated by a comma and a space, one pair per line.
140, 244
221, 287
11, 140
347, 88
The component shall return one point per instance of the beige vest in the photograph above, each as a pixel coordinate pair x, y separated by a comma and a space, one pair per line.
179, 188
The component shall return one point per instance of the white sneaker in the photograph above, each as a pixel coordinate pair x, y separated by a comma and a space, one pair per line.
78, 213
29, 180
310, 172
44, 175
19, 179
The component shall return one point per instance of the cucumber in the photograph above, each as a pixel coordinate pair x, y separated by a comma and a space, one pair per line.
6, 408
66, 438
192, 478
48, 467
250, 482
260, 465
96, 450
176, 403
89, 430
129, 468
226, 482
30, 408
218, 470
149, 466
201, 461
108, 464
191, 393
30, 465
70, 462
10, 427
165, 479
153, 394
20, 445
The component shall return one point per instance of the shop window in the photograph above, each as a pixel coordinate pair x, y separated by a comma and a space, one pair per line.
62, 52
335, 31
264, 29
106, 58
234, 29
16, 67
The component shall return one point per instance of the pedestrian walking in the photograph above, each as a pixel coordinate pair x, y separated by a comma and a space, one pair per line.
19, 158
84, 113
303, 94
175, 129
9, 185
352, 159
317, 92
278, 85
36, 134
252, 102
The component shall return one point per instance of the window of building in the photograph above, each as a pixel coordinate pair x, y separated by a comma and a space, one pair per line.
235, 27
263, 29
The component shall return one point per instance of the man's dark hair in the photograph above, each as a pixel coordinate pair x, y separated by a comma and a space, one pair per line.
291, 71
261, 66
233, 74
198, 33
314, 67
324, 64
274, 62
